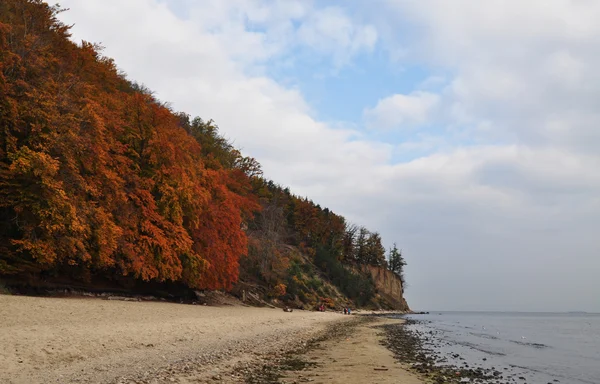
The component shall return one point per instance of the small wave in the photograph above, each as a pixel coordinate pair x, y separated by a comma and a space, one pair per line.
478, 348
459, 326
484, 335
534, 345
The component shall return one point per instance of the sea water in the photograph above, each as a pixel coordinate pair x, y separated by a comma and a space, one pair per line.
540, 347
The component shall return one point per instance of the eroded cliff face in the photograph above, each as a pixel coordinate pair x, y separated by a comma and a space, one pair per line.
388, 286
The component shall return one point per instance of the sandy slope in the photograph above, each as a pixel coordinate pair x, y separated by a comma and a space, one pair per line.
55, 340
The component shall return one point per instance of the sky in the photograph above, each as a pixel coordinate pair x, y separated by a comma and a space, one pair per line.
468, 132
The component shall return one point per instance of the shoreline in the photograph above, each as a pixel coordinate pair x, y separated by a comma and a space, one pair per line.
353, 353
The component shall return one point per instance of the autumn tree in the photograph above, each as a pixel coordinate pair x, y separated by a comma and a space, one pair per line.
375, 251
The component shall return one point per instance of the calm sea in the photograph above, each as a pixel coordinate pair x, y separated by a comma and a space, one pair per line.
542, 347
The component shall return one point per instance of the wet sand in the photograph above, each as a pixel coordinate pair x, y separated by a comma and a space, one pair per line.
356, 357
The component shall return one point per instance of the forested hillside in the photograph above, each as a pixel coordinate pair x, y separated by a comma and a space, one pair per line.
100, 181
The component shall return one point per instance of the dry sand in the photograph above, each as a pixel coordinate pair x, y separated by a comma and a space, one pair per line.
89, 340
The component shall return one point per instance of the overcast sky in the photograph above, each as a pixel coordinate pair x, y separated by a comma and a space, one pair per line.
466, 131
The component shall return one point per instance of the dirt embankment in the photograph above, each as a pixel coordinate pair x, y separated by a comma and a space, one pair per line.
389, 286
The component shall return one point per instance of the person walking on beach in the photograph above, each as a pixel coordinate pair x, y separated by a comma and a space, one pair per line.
345, 311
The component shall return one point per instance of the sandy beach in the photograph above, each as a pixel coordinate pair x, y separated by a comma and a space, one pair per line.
90, 340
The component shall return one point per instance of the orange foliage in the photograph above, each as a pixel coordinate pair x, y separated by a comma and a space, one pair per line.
328, 302
279, 290
96, 176
219, 237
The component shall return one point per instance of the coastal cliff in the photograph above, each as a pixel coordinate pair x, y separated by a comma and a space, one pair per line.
388, 286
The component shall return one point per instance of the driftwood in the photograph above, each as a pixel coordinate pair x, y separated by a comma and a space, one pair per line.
122, 298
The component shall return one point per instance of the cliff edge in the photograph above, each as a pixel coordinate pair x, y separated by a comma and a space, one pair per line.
388, 286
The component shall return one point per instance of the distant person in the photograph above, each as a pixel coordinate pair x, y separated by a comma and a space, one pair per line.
345, 311
349, 311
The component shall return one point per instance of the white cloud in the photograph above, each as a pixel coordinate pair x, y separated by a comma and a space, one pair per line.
517, 65
432, 82
331, 30
400, 110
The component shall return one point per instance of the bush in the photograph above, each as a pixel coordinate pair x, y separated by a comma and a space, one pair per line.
308, 269
315, 283
292, 286
295, 269
328, 302
279, 290
303, 297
